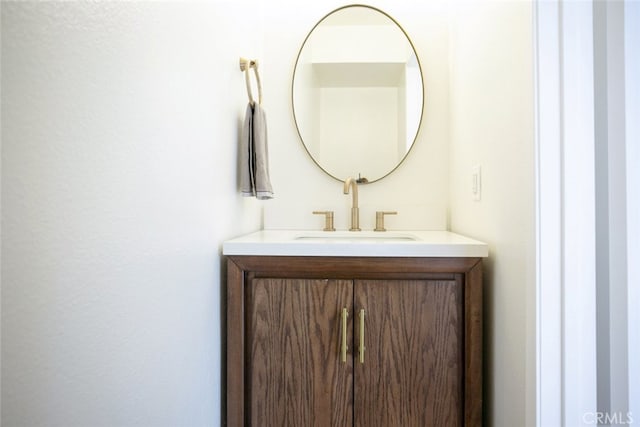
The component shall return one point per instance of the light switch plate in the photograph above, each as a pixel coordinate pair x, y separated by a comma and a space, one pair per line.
476, 183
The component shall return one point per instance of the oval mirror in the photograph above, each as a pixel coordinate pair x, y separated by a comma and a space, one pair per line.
357, 93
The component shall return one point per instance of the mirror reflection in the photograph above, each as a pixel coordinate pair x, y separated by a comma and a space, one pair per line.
357, 94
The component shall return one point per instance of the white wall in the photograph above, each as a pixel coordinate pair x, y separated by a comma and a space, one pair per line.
492, 126
418, 189
119, 127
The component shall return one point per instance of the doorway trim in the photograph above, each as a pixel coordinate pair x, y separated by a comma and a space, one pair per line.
565, 214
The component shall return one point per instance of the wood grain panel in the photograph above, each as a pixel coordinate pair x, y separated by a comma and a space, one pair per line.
414, 360
350, 267
473, 347
295, 375
235, 345
243, 379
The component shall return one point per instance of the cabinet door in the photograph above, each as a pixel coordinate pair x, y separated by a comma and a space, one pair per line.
296, 376
412, 373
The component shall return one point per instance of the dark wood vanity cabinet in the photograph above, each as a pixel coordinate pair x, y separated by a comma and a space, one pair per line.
290, 320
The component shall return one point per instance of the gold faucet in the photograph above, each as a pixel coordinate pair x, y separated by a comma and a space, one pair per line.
355, 212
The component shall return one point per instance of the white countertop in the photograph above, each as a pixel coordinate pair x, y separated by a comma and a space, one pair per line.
355, 243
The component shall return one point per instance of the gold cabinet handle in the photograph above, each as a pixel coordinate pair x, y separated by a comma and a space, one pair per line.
345, 315
361, 346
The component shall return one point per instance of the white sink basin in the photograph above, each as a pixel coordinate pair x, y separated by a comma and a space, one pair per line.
355, 243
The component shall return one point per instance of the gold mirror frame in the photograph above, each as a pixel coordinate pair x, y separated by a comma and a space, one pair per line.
421, 112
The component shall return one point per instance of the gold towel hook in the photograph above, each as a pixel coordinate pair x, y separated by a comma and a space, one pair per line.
245, 65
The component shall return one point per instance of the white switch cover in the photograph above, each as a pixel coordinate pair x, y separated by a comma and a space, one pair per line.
476, 183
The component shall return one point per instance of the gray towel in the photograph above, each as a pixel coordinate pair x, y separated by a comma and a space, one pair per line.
254, 155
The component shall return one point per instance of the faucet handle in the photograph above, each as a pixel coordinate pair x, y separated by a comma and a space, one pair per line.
380, 219
328, 220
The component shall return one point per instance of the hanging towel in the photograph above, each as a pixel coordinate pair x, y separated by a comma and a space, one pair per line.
254, 155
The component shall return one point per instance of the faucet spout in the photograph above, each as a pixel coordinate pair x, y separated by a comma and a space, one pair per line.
351, 184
